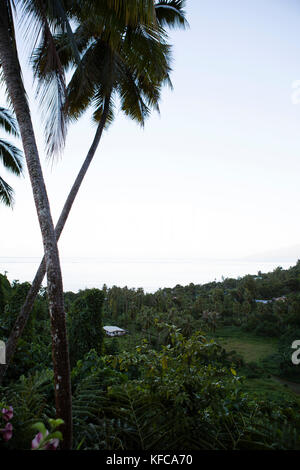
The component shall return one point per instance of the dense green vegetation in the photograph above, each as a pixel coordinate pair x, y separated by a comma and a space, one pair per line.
202, 366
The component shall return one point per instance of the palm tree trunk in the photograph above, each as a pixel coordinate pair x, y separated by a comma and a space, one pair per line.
12, 76
23, 316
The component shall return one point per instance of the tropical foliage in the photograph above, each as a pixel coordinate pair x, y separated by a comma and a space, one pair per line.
168, 384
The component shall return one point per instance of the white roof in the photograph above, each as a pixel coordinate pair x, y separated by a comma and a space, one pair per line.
111, 329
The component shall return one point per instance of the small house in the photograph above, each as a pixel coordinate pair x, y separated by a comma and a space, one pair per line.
114, 331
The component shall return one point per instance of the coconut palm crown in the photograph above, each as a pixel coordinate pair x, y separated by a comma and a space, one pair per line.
119, 60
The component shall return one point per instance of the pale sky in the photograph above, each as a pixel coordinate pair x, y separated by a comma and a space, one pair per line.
216, 175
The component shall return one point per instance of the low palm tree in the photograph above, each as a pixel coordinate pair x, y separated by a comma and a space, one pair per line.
11, 75
10, 156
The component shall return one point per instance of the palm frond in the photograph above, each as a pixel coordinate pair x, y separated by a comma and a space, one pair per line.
42, 20
51, 89
52, 94
8, 122
171, 13
6, 193
63, 19
144, 49
96, 62
132, 103
133, 11
11, 157
98, 103
150, 59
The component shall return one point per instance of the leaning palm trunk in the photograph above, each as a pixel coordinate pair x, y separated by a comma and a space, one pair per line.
36, 284
12, 75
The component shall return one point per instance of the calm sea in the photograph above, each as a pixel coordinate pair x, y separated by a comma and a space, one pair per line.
79, 273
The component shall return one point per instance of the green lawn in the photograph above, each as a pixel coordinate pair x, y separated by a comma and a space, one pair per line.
252, 348
258, 349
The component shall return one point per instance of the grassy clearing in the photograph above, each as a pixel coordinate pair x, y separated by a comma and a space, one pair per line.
252, 348
258, 349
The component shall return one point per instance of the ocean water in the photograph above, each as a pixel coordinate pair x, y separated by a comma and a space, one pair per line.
81, 273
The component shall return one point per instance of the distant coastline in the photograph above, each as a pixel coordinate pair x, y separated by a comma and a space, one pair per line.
150, 274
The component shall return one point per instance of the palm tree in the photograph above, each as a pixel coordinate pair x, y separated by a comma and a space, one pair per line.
122, 71
45, 13
10, 155
11, 73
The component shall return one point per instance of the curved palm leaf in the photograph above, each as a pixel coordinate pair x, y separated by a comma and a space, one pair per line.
10, 156
6, 193
171, 13
8, 122
40, 18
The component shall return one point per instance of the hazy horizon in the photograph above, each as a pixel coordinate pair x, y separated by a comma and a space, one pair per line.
80, 273
215, 175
